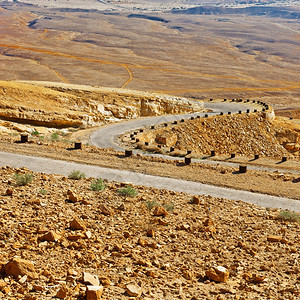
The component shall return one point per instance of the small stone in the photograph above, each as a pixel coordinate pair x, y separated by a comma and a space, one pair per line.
39, 287
208, 222
62, 292
107, 211
105, 281
188, 275
162, 222
253, 278
150, 233
219, 274
88, 234
51, 236
20, 267
9, 192
75, 237
121, 207
142, 242
77, 225
72, 272
196, 200
94, 292
23, 279
117, 247
151, 273
153, 245
126, 234
274, 238
143, 262
73, 197
159, 211
133, 290
90, 279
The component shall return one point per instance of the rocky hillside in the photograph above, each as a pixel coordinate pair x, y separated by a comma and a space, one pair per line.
245, 134
139, 242
61, 106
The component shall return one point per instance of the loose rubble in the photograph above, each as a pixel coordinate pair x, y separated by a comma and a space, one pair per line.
203, 248
245, 134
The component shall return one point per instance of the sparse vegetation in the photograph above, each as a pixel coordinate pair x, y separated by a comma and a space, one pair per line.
128, 191
43, 191
54, 137
288, 215
35, 133
151, 204
169, 206
23, 179
67, 141
76, 174
98, 185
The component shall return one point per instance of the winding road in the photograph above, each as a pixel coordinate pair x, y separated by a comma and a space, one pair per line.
106, 137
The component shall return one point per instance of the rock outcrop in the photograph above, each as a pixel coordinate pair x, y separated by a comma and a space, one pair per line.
61, 107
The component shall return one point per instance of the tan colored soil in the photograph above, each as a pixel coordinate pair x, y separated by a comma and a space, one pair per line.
259, 251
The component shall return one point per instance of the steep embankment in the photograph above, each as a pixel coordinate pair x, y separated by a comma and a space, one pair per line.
245, 134
62, 106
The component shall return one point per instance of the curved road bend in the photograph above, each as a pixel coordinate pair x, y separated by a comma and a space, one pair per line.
51, 166
106, 136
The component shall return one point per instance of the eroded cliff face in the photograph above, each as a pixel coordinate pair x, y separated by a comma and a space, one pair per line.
169, 105
61, 107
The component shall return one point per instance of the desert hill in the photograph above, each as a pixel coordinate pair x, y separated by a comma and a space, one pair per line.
240, 134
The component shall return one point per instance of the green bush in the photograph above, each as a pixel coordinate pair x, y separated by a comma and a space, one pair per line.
129, 191
169, 206
151, 204
288, 215
23, 179
43, 191
35, 133
54, 136
98, 185
75, 174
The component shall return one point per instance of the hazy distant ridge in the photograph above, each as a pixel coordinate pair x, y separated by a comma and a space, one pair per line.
277, 12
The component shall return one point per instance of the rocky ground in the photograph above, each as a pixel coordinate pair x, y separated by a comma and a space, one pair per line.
245, 134
59, 237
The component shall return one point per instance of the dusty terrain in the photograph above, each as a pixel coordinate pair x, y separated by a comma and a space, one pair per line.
186, 55
131, 251
61, 239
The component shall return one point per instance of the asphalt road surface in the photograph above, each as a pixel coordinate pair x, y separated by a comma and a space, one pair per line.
51, 166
